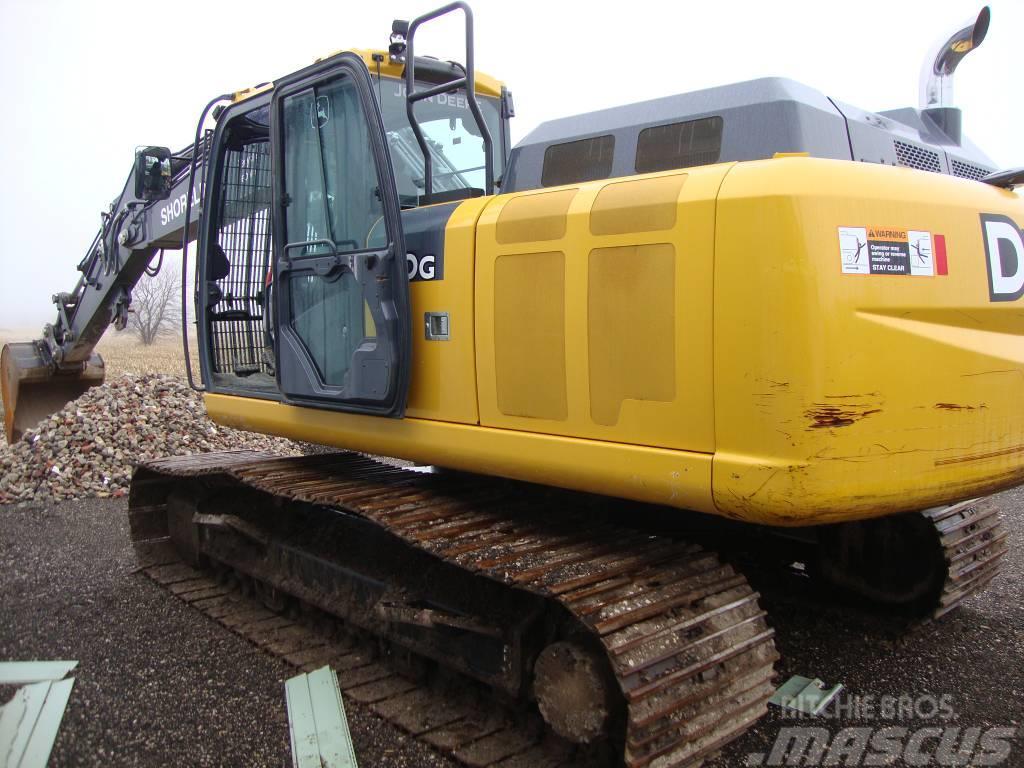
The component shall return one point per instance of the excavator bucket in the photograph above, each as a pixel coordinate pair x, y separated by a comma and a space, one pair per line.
32, 390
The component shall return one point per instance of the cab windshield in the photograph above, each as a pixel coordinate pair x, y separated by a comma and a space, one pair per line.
456, 145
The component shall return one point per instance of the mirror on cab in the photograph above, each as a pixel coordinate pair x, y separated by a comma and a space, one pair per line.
153, 173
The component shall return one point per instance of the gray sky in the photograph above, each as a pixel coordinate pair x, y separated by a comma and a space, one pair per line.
87, 82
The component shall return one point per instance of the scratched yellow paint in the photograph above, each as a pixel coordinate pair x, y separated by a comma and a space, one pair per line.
795, 394
838, 395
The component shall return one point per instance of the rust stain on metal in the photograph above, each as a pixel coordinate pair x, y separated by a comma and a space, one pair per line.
958, 407
827, 416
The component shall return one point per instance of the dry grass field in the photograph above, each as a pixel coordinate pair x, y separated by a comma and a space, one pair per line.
123, 353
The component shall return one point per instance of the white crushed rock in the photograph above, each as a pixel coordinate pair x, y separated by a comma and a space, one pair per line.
88, 448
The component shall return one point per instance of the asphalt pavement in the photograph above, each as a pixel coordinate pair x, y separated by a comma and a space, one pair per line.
157, 684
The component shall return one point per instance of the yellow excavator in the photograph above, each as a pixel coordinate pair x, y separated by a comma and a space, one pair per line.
753, 302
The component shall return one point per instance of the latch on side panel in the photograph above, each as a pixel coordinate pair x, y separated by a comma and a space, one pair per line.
436, 326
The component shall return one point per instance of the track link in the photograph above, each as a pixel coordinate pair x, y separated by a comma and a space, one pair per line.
682, 634
944, 556
973, 541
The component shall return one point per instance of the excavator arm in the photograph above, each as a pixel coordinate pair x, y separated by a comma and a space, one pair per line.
149, 215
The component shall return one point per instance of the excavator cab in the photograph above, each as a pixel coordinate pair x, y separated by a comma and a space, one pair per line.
302, 294
289, 257
304, 273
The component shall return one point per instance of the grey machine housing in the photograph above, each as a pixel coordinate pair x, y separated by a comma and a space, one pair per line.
760, 118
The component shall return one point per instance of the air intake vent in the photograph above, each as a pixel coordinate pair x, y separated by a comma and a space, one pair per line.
969, 170
913, 156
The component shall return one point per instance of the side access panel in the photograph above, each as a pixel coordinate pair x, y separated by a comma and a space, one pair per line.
594, 311
441, 243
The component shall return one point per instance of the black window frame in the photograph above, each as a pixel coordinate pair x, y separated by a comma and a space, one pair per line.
207, 235
717, 120
563, 146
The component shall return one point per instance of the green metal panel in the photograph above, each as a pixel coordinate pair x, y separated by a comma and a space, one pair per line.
317, 723
37, 752
33, 696
332, 732
21, 672
804, 695
302, 726
11, 716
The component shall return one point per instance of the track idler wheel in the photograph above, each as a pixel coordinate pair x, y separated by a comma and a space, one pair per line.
273, 599
574, 692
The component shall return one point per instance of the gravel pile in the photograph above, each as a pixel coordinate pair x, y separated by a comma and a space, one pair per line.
88, 448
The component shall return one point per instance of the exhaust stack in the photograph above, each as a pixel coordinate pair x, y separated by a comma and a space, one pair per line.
937, 74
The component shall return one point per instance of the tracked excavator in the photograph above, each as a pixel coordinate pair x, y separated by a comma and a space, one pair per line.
752, 302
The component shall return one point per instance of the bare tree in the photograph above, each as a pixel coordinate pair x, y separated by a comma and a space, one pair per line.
156, 304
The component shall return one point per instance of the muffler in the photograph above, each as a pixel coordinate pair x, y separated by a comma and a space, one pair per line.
33, 389
936, 86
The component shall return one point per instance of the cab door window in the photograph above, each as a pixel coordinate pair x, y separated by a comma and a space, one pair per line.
342, 296
332, 205
330, 174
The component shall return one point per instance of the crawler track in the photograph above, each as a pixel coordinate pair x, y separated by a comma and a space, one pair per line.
942, 556
973, 542
680, 635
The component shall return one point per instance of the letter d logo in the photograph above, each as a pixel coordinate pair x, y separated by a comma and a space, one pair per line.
1004, 257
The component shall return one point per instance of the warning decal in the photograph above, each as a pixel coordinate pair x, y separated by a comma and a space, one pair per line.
853, 244
886, 251
922, 260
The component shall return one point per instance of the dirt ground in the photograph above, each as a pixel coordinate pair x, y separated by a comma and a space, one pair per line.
159, 684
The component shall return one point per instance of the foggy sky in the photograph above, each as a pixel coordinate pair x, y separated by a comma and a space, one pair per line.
86, 83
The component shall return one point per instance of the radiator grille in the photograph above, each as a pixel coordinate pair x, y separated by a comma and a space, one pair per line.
243, 234
969, 170
913, 156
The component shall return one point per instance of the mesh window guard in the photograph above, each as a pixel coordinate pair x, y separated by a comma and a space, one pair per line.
239, 264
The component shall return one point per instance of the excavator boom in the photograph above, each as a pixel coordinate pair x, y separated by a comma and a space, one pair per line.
37, 378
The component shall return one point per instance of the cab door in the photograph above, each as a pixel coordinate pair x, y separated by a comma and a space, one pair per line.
341, 297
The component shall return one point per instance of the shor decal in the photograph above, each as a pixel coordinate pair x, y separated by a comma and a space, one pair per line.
1004, 257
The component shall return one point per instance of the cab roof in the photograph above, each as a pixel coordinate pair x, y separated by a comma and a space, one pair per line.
485, 84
